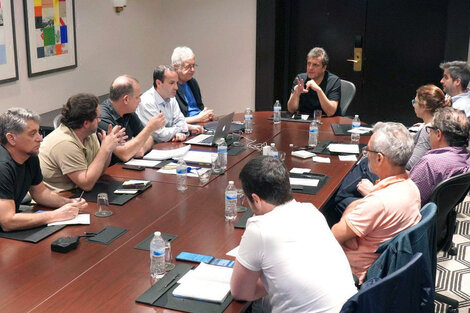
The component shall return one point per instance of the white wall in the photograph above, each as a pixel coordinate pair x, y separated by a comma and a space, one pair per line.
221, 33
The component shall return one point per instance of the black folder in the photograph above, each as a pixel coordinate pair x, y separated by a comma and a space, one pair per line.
33, 235
161, 295
309, 189
145, 244
108, 186
297, 117
242, 221
342, 130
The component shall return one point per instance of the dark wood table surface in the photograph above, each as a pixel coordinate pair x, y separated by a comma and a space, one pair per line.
109, 278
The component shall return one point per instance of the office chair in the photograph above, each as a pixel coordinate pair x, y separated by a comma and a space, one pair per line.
398, 251
447, 195
348, 90
401, 291
56, 121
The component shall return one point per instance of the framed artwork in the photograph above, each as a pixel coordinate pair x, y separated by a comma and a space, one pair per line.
50, 35
8, 62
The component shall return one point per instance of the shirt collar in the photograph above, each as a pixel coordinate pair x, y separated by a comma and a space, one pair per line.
381, 184
159, 100
112, 111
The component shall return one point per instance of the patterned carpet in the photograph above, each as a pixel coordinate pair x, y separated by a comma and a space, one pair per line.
453, 272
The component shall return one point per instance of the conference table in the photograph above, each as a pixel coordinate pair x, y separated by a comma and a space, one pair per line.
109, 278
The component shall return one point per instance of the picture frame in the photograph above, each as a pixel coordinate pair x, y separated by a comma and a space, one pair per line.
8, 57
50, 36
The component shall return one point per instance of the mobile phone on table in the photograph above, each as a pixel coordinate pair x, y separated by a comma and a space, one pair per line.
133, 167
194, 257
222, 262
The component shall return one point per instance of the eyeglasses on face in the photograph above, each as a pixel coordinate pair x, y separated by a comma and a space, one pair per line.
429, 127
189, 67
366, 151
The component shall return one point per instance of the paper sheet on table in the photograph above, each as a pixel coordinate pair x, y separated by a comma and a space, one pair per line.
360, 130
142, 162
299, 170
203, 157
193, 172
343, 148
83, 219
348, 157
233, 252
303, 181
159, 155
321, 159
302, 154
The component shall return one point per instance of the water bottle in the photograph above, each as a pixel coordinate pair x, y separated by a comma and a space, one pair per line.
157, 256
355, 124
248, 121
222, 154
230, 202
277, 112
313, 134
181, 172
274, 152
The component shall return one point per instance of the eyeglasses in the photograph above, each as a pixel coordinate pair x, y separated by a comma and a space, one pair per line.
413, 101
428, 128
366, 151
189, 67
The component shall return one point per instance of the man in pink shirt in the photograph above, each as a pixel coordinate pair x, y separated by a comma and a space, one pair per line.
389, 206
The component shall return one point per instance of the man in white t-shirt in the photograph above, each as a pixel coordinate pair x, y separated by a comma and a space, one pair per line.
287, 252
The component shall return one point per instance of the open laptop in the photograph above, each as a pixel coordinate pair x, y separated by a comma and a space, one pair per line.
223, 127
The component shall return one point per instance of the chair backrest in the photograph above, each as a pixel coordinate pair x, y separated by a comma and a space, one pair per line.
403, 291
348, 90
447, 195
56, 121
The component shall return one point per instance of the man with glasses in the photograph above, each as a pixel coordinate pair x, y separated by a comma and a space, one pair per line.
71, 156
448, 135
188, 94
390, 206
455, 79
317, 89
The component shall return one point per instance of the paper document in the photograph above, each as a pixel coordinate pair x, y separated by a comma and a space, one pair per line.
192, 173
302, 154
304, 181
360, 130
203, 157
233, 252
343, 148
206, 282
299, 170
80, 219
198, 138
321, 159
349, 157
142, 162
159, 155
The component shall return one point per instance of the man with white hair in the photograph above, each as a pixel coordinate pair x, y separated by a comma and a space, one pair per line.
188, 94
391, 205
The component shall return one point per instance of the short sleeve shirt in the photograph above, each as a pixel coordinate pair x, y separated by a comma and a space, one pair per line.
331, 86
62, 153
130, 122
16, 179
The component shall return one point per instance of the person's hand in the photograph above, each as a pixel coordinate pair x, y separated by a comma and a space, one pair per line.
365, 187
206, 115
116, 136
311, 84
70, 210
179, 137
299, 89
196, 129
156, 122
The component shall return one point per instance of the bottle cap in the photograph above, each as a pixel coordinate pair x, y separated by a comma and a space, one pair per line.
273, 144
157, 233
230, 182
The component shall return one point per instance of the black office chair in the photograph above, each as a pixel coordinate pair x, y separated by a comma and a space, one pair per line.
401, 291
447, 195
348, 91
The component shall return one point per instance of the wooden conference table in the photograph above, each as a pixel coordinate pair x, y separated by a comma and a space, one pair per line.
108, 278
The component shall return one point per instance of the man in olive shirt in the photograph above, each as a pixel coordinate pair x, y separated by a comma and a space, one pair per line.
119, 109
71, 155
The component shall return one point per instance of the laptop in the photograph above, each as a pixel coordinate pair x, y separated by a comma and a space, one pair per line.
223, 127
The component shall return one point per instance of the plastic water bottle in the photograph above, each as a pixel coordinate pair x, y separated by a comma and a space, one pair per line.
157, 256
181, 172
356, 123
222, 154
274, 153
313, 134
230, 202
277, 112
248, 121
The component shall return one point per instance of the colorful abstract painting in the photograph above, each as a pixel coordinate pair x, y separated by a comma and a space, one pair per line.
51, 39
8, 63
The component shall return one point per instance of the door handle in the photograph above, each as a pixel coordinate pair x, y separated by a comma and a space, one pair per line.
351, 60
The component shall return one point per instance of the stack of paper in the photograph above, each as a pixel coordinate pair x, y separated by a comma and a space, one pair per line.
159, 155
142, 162
199, 157
343, 148
206, 282
83, 219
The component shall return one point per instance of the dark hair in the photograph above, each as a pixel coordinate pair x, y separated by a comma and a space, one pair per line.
268, 178
454, 125
78, 109
431, 96
14, 120
121, 86
458, 69
159, 73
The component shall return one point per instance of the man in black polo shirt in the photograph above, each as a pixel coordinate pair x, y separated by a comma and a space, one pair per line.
317, 89
20, 173
119, 109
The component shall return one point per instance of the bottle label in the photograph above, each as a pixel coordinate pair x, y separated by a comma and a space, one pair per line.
157, 253
230, 197
222, 150
277, 109
180, 171
248, 117
313, 130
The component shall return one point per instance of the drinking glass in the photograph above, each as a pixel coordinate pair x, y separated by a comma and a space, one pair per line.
241, 201
204, 175
168, 257
317, 116
103, 205
215, 162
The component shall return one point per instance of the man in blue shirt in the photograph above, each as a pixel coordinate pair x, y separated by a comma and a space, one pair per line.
188, 94
454, 81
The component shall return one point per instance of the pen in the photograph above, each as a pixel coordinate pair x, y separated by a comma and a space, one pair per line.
81, 195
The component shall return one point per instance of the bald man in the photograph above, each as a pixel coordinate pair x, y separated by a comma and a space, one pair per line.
119, 109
